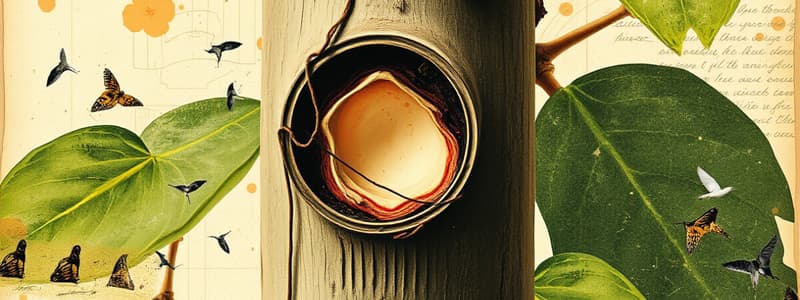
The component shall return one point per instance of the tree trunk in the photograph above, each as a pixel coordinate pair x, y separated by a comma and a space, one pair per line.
481, 247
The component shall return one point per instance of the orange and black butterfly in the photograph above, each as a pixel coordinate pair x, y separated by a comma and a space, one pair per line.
113, 95
67, 268
121, 278
695, 230
13, 264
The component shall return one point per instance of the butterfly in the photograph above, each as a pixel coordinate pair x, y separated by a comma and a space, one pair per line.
68, 267
186, 189
222, 243
164, 261
113, 95
231, 96
62, 66
218, 49
714, 190
121, 278
13, 264
695, 230
759, 266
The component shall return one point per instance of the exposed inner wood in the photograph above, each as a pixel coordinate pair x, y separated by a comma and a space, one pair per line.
392, 135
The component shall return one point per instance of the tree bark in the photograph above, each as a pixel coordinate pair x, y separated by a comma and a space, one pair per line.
481, 247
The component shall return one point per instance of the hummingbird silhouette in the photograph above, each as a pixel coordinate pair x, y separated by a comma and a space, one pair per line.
13, 264
62, 66
164, 261
758, 266
222, 243
231, 96
218, 49
186, 189
68, 268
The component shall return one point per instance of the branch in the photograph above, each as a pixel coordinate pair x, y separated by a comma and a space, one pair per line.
547, 52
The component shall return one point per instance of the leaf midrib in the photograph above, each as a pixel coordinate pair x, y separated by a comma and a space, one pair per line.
135, 169
97, 192
603, 141
208, 135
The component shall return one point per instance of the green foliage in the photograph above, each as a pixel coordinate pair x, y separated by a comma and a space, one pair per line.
616, 154
670, 20
581, 276
106, 189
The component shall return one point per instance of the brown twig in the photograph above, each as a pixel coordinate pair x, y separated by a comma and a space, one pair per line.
548, 51
166, 288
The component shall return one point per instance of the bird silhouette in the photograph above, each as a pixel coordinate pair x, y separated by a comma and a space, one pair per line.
62, 66
231, 96
222, 243
226, 46
186, 189
758, 266
164, 261
713, 188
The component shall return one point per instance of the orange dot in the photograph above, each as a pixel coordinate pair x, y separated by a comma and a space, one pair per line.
180, 6
759, 36
565, 9
778, 23
251, 188
47, 5
258, 43
775, 211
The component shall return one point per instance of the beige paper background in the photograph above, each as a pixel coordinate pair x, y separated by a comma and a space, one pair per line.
629, 42
163, 72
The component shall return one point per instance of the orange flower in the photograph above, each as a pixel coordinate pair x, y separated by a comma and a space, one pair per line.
151, 15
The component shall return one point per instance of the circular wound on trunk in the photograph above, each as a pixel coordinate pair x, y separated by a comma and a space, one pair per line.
399, 115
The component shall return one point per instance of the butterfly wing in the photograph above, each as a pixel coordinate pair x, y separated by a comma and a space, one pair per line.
708, 217
708, 181
12, 266
66, 271
121, 277
109, 80
107, 100
128, 100
693, 235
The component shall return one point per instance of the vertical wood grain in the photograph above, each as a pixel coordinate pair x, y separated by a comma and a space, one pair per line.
481, 247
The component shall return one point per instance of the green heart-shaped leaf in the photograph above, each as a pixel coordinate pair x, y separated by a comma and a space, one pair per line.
104, 188
670, 20
581, 276
616, 159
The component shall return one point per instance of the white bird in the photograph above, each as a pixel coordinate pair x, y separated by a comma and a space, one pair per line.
714, 190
